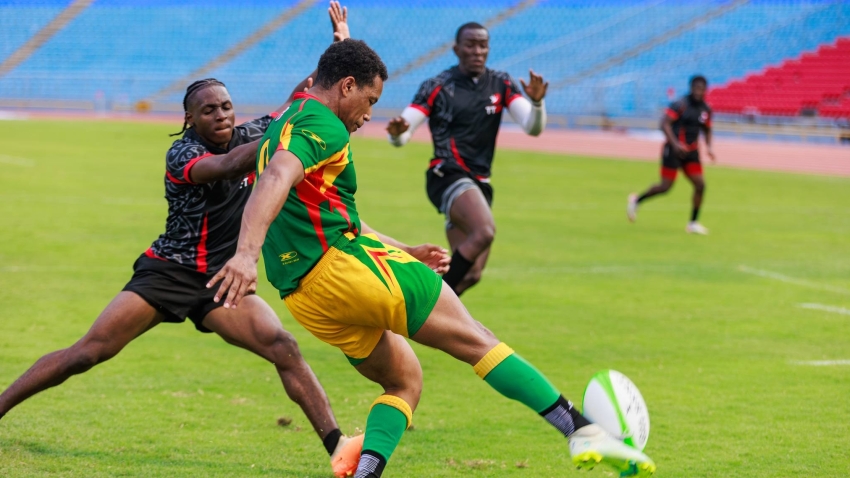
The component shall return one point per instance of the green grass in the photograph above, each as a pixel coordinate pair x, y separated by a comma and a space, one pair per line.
571, 285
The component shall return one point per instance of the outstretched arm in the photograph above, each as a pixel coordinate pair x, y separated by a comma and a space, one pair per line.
401, 128
239, 276
432, 256
531, 115
236, 163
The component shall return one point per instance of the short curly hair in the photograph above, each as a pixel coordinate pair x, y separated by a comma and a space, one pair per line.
350, 58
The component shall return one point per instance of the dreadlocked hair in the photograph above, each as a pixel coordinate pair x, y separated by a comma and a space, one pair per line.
191, 90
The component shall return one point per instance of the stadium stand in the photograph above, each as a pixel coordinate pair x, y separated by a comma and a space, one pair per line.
818, 81
613, 58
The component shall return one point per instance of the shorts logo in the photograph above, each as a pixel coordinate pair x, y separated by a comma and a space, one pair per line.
315, 138
289, 257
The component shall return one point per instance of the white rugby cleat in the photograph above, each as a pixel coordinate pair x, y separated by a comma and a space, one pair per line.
591, 445
631, 207
694, 227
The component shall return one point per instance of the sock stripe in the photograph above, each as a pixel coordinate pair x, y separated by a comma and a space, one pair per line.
397, 403
560, 418
492, 359
368, 465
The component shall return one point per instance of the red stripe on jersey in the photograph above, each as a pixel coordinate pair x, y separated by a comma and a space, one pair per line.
433, 96
202, 247
708, 121
173, 179
274, 114
420, 108
672, 114
192, 164
456, 154
510, 95
308, 192
511, 99
693, 169
669, 173
150, 253
434, 163
688, 147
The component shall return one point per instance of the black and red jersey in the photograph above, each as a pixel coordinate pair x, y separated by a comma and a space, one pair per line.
689, 117
464, 116
203, 222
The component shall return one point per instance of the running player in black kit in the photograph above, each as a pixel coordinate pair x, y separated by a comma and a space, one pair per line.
208, 180
681, 124
464, 107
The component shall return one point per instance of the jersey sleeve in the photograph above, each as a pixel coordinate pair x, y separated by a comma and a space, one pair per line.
181, 158
674, 110
424, 99
313, 137
256, 128
707, 123
512, 91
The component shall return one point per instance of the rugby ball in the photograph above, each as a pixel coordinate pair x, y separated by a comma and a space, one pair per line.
614, 402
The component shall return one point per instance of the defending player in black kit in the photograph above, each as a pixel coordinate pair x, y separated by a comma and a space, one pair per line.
682, 122
464, 107
208, 180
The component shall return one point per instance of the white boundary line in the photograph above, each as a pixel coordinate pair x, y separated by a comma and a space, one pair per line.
821, 363
792, 280
826, 308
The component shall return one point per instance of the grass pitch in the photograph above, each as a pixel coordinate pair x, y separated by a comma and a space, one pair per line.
716, 331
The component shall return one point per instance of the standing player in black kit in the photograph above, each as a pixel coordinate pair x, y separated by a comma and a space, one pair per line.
464, 106
208, 180
681, 124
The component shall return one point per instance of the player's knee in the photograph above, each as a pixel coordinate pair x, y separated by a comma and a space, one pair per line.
473, 277
665, 187
284, 350
699, 187
82, 357
483, 237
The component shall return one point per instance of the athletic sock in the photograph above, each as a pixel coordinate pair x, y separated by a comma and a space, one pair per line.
389, 418
694, 214
331, 440
515, 378
457, 269
563, 416
642, 197
2, 415
371, 465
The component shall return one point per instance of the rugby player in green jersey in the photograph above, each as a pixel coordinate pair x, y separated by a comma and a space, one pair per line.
364, 292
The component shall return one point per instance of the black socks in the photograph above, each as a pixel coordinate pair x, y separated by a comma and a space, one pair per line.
694, 214
331, 440
371, 465
457, 270
563, 416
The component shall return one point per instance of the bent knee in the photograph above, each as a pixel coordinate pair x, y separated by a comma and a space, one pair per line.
483, 237
284, 351
81, 358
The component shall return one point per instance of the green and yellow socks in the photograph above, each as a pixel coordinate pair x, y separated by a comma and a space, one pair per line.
389, 418
515, 378
505, 371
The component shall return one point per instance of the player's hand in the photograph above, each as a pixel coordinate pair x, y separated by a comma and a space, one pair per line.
397, 126
711, 155
238, 277
339, 20
678, 149
435, 257
536, 88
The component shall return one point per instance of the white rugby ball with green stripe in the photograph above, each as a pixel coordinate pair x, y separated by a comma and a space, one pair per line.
614, 402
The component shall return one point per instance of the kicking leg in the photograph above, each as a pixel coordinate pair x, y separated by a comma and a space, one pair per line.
668, 177
393, 366
254, 326
451, 329
124, 319
471, 215
457, 237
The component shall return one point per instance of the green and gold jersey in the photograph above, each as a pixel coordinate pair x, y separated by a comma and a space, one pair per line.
319, 209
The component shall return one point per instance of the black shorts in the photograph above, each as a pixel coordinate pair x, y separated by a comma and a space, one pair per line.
671, 163
445, 181
174, 290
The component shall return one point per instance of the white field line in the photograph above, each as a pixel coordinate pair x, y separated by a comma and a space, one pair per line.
826, 308
821, 363
16, 161
792, 280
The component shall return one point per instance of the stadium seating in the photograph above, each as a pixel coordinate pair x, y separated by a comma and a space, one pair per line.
817, 81
614, 57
